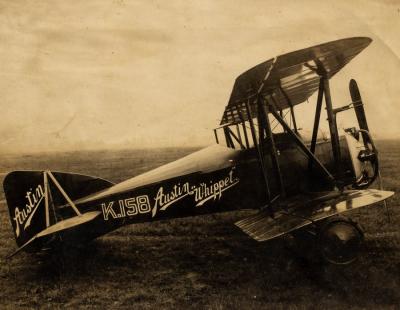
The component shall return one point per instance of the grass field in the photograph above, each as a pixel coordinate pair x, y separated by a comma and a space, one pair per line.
202, 262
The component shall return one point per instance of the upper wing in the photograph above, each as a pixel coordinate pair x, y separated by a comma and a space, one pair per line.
262, 227
291, 78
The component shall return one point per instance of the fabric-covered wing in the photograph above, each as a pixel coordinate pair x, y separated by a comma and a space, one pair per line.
262, 227
290, 78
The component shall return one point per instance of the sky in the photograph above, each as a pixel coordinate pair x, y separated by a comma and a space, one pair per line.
132, 74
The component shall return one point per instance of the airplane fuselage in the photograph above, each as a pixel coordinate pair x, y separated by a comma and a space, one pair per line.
214, 179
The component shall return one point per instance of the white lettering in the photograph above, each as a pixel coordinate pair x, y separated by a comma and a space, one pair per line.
127, 207
163, 199
24, 216
108, 210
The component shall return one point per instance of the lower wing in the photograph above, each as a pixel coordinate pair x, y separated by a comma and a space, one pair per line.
263, 227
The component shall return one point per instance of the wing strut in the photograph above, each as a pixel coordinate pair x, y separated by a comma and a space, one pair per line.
316, 122
259, 152
263, 111
317, 117
332, 124
302, 146
285, 95
244, 128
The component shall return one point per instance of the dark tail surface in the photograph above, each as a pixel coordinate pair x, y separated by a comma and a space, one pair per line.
27, 191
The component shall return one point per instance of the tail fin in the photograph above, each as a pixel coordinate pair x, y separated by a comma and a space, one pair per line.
27, 191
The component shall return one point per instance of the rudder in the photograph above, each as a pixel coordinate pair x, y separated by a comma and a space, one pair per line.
25, 193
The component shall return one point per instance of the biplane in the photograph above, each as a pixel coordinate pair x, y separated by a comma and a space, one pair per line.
261, 160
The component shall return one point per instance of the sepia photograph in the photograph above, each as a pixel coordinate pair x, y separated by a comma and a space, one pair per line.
200, 154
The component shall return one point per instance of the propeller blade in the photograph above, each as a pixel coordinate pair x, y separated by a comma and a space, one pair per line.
359, 109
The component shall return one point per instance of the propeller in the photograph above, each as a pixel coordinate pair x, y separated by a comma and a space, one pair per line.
359, 109
370, 154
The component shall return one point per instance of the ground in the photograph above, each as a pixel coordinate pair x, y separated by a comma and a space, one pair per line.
202, 262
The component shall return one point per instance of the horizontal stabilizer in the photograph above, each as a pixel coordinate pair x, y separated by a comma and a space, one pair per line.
60, 226
263, 227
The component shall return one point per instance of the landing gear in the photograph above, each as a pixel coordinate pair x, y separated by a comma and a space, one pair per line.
336, 240
340, 241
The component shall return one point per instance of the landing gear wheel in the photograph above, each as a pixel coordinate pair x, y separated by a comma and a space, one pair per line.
340, 241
